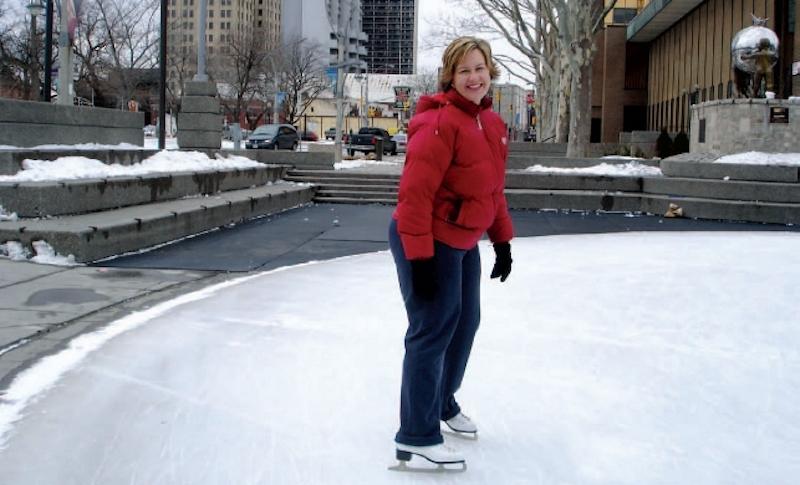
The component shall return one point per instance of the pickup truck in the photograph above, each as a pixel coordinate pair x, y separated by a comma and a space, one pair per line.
367, 138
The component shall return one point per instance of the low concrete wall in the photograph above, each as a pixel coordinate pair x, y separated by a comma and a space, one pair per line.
299, 160
11, 160
743, 125
29, 123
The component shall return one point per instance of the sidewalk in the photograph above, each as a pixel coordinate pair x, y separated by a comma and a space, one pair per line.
43, 307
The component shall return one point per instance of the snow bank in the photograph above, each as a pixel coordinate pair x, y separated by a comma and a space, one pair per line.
44, 254
630, 169
5, 216
71, 168
761, 158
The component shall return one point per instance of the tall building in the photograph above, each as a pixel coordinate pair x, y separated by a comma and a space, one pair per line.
229, 22
391, 26
308, 19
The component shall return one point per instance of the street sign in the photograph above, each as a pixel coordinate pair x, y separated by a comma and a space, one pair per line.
332, 74
280, 97
402, 97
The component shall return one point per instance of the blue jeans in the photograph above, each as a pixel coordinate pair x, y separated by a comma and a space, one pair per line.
438, 340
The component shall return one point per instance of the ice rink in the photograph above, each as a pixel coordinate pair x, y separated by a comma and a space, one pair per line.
634, 358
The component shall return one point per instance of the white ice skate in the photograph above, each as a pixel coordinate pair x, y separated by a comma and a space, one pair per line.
440, 455
462, 426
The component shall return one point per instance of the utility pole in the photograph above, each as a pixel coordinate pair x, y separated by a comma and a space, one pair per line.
48, 53
162, 77
65, 58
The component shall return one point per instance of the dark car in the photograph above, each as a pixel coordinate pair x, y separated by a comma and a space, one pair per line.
274, 137
308, 136
330, 134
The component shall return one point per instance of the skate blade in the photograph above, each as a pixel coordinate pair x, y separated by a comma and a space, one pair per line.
460, 435
402, 466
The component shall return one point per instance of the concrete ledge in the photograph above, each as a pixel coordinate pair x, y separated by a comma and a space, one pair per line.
519, 161
707, 170
200, 122
199, 88
94, 236
723, 189
37, 199
543, 148
199, 104
29, 123
573, 200
188, 140
532, 180
299, 160
729, 210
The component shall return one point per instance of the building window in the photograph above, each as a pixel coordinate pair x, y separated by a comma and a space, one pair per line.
210, 25
623, 15
719, 91
211, 14
730, 89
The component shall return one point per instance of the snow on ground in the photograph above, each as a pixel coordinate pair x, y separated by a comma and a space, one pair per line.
70, 168
152, 143
630, 169
761, 158
43, 254
636, 358
621, 157
7, 216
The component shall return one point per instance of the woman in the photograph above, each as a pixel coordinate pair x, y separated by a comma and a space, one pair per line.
451, 193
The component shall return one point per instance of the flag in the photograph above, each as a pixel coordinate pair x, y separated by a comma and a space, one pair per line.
71, 8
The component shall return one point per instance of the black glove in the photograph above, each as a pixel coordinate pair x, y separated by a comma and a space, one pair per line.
502, 262
423, 277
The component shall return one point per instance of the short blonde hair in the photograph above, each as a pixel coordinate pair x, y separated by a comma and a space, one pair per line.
457, 51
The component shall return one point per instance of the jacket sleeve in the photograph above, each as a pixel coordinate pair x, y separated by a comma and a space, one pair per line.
501, 230
428, 156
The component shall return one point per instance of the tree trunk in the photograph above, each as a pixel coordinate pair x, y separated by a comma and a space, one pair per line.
581, 108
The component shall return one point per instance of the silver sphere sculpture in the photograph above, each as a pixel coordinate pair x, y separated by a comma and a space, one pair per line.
754, 52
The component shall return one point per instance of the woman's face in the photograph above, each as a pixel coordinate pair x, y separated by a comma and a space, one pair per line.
471, 77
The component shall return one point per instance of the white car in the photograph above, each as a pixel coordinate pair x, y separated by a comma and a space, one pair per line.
149, 130
400, 139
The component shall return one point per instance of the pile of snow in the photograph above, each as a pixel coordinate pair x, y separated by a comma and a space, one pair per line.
630, 169
621, 157
44, 254
347, 164
762, 158
71, 168
5, 216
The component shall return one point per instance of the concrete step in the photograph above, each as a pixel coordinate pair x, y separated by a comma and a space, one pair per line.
38, 199
336, 174
675, 167
98, 235
391, 189
355, 200
693, 207
363, 194
520, 179
556, 149
342, 180
589, 200
723, 189
519, 161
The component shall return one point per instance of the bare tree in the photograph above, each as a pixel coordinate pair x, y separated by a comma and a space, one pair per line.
557, 38
238, 69
131, 31
17, 59
302, 77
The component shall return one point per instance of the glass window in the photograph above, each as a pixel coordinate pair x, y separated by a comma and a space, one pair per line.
623, 15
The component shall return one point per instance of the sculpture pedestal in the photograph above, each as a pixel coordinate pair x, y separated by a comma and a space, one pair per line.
200, 122
745, 125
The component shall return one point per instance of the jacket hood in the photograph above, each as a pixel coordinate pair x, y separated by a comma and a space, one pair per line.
438, 100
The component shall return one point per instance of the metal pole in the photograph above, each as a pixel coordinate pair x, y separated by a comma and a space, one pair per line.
339, 94
162, 81
48, 53
201, 45
65, 61
34, 51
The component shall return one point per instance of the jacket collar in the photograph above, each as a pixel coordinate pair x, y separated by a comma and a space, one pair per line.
466, 105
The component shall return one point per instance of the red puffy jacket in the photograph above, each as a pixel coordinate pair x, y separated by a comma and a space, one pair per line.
452, 185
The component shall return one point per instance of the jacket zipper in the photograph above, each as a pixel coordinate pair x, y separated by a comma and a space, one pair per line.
480, 126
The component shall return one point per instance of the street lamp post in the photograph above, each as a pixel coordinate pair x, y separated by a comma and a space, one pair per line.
48, 53
35, 8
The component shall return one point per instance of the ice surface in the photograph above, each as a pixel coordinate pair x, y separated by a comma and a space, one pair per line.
637, 358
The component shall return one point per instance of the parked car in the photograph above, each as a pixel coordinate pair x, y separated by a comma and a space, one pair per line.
366, 139
149, 130
400, 139
308, 135
274, 137
330, 134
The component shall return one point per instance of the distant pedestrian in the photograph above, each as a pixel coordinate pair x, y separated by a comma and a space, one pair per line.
451, 193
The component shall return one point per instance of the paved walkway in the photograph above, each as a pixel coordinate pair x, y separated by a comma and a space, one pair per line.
43, 307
